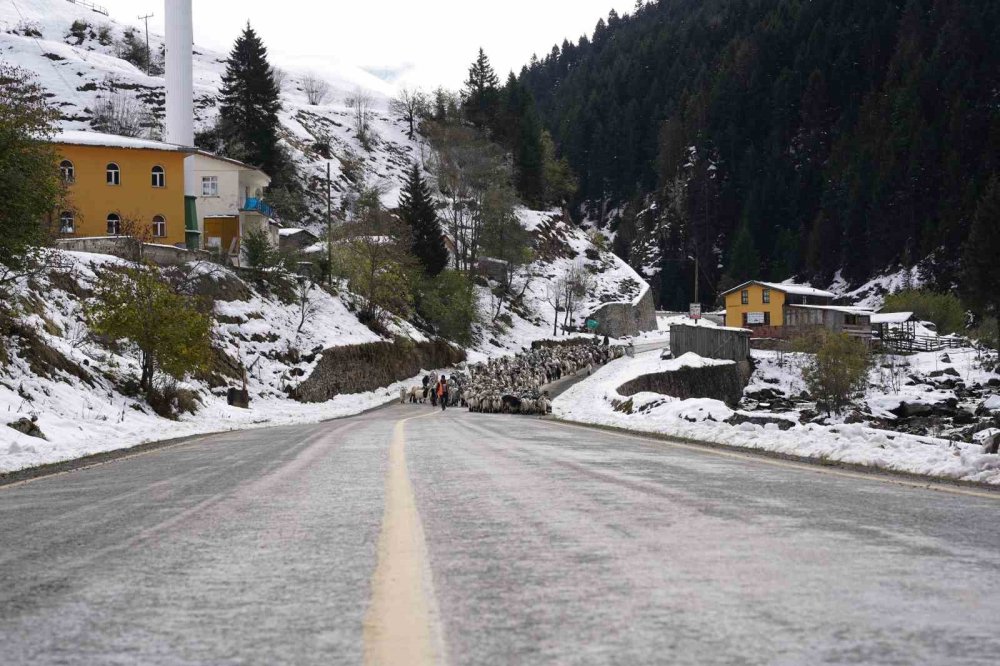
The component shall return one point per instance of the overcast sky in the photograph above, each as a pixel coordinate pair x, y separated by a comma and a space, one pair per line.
430, 42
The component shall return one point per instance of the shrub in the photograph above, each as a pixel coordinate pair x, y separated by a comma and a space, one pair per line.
839, 372
944, 310
448, 302
985, 332
167, 331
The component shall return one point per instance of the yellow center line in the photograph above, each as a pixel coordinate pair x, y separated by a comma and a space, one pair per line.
877, 474
402, 625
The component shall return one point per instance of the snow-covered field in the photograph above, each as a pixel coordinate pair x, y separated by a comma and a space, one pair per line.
593, 401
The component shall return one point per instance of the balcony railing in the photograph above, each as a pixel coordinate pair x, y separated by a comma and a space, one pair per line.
258, 206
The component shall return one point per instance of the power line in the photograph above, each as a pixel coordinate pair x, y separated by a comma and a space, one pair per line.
41, 49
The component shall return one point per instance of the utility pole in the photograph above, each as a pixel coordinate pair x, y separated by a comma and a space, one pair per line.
329, 226
149, 54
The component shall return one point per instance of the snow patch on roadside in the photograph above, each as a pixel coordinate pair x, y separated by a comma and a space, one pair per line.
593, 402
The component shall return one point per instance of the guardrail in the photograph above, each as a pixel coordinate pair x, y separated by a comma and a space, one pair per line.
91, 6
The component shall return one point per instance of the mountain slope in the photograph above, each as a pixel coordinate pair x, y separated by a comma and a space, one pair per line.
844, 134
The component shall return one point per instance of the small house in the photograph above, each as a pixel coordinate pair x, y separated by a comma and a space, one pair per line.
758, 304
856, 322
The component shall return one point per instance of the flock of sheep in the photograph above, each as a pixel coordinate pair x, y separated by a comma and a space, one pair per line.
514, 384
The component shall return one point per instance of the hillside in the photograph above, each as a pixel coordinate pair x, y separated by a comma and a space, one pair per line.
77, 55
780, 138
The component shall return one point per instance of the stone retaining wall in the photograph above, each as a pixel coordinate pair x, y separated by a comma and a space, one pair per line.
720, 382
618, 320
362, 368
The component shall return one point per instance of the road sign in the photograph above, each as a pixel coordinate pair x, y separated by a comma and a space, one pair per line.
695, 311
592, 324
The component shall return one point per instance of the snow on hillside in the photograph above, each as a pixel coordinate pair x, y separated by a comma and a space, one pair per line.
76, 391
560, 247
77, 66
594, 401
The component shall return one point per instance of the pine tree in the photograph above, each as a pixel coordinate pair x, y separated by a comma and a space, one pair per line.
250, 104
416, 209
981, 268
482, 93
744, 262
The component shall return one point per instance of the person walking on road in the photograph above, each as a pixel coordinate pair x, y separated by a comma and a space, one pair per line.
434, 390
442, 392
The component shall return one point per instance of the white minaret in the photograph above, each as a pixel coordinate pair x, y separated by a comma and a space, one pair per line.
180, 80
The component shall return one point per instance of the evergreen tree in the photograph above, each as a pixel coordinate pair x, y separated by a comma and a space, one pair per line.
416, 209
744, 262
29, 177
981, 266
482, 93
250, 102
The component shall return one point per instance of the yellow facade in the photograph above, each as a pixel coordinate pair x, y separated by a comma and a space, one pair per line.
135, 199
755, 295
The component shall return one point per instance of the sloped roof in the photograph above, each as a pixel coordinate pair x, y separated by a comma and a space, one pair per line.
846, 309
81, 138
793, 289
892, 317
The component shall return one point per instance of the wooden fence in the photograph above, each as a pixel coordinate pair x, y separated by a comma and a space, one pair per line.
710, 342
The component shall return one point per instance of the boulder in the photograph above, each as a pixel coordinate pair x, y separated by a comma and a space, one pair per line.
238, 398
739, 419
909, 410
28, 427
951, 372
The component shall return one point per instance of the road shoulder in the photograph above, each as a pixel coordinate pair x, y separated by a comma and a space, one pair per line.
804, 463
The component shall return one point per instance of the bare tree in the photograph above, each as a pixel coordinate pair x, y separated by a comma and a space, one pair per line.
121, 114
361, 103
280, 77
317, 90
577, 283
468, 168
554, 290
303, 297
410, 106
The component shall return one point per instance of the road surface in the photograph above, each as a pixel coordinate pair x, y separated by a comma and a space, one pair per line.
470, 539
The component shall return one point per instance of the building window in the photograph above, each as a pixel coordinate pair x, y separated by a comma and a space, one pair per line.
68, 171
159, 177
114, 224
745, 297
209, 186
114, 174
767, 296
159, 226
67, 223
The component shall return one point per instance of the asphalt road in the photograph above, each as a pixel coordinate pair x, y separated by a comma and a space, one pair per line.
488, 540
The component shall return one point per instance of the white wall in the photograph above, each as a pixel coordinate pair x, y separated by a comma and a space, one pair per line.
235, 184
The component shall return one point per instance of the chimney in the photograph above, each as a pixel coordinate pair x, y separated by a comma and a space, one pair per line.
179, 75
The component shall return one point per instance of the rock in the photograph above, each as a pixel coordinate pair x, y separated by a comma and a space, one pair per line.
909, 410
964, 417
28, 427
994, 382
992, 444
739, 419
855, 417
952, 372
807, 415
991, 404
945, 358
238, 398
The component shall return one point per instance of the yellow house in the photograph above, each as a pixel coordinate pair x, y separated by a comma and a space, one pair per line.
122, 186
754, 303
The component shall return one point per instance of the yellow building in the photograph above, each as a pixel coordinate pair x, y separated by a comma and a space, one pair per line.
118, 185
755, 304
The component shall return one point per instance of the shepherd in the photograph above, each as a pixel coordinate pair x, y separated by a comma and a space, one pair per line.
442, 392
